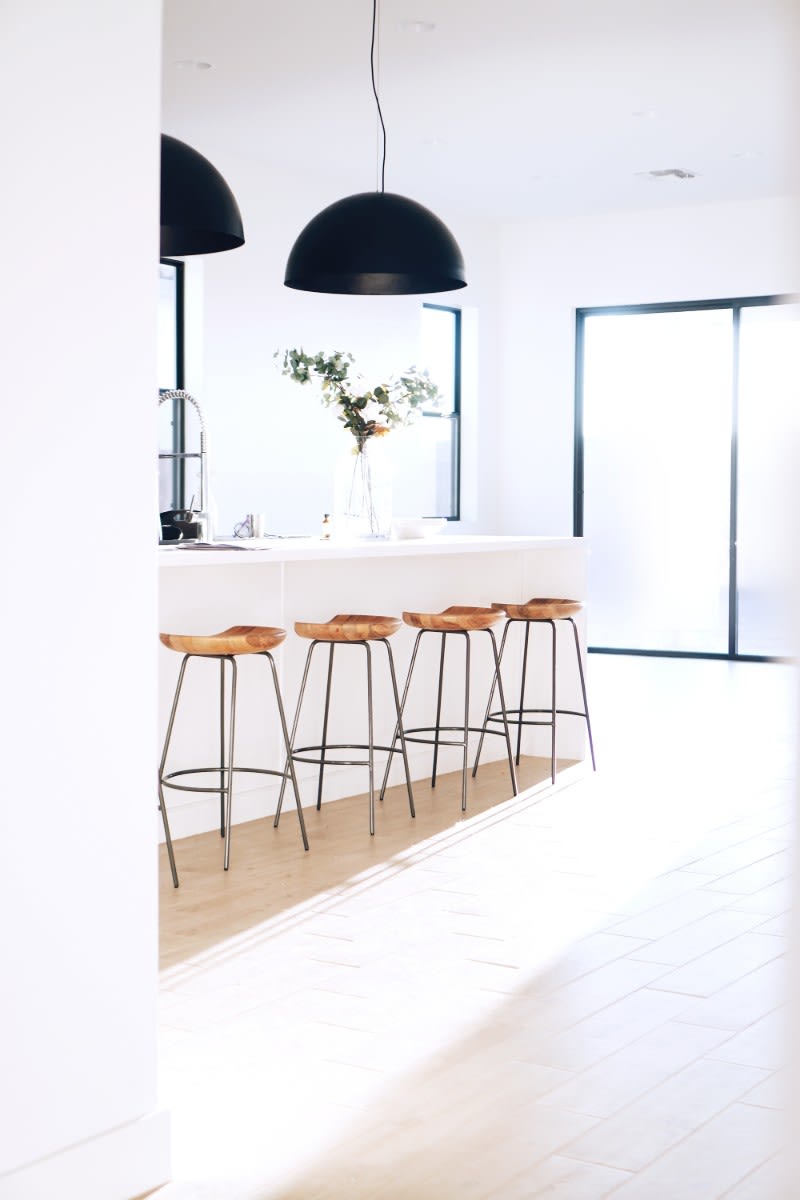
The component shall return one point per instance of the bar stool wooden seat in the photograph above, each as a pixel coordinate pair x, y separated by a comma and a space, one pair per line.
539, 611
226, 647
462, 621
348, 629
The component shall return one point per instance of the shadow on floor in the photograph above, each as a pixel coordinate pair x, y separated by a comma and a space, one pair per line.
270, 873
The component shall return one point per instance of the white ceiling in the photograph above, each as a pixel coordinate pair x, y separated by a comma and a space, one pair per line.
508, 108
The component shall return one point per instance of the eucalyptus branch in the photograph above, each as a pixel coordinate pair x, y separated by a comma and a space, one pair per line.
367, 413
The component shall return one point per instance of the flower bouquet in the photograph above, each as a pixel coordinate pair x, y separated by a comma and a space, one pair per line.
366, 413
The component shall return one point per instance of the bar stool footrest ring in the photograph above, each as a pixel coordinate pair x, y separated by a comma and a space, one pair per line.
513, 716
167, 780
408, 733
299, 755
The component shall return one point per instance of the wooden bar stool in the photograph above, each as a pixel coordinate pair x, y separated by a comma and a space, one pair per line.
226, 647
348, 630
539, 611
462, 622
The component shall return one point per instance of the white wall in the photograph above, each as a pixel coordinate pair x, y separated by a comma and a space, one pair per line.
79, 84
550, 268
272, 445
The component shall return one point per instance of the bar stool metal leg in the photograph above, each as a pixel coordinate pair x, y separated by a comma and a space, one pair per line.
438, 712
225, 647
293, 735
325, 726
167, 740
402, 738
222, 747
293, 751
553, 707
173, 711
583, 690
517, 716
464, 729
370, 742
491, 698
288, 748
522, 691
435, 729
229, 792
398, 726
466, 722
499, 681
171, 854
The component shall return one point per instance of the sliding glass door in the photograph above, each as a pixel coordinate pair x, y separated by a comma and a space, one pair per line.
769, 453
686, 419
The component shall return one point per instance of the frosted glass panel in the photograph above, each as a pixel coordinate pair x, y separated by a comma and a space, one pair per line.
438, 351
425, 455
657, 427
769, 450
422, 461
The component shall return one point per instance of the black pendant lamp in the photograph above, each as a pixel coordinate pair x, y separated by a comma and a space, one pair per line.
375, 243
199, 213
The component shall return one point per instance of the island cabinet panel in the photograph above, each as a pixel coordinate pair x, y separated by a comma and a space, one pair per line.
278, 582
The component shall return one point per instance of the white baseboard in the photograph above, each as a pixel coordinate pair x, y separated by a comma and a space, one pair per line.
121, 1164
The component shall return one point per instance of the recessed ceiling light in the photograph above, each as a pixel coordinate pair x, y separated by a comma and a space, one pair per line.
192, 64
747, 154
667, 173
644, 114
418, 26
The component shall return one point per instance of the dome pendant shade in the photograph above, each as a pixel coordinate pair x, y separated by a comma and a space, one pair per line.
199, 213
375, 244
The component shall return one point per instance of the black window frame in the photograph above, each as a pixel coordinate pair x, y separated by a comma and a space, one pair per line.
454, 416
178, 415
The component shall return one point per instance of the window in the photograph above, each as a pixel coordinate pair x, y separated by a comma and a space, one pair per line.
687, 425
170, 324
171, 414
426, 455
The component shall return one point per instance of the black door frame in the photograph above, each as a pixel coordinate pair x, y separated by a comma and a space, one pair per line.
736, 305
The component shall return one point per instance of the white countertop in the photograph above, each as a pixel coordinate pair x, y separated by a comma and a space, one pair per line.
261, 550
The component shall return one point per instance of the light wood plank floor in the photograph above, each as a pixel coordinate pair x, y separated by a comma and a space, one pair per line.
573, 994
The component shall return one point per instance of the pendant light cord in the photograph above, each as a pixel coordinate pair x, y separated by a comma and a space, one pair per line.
375, 90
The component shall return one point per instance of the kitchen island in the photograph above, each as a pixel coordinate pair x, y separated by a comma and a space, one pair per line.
279, 581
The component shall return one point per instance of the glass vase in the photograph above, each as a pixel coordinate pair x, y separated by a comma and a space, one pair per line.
363, 492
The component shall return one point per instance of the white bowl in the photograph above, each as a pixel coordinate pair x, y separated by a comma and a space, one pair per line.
417, 527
